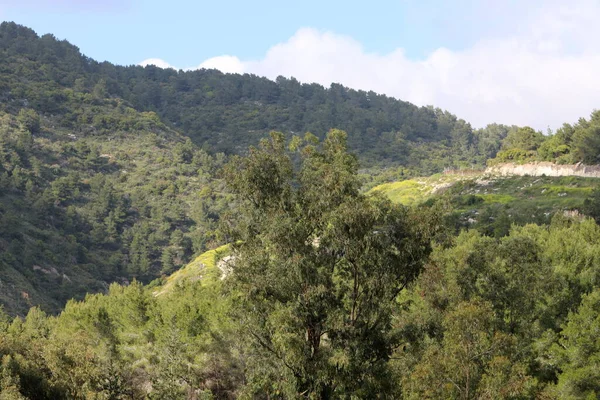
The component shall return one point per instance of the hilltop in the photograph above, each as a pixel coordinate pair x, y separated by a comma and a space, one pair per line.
227, 112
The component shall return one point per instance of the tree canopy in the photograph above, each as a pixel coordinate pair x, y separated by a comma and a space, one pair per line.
318, 266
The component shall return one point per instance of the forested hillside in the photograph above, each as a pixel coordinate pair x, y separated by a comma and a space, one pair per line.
227, 112
81, 208
332, 294
100, 183
122, 189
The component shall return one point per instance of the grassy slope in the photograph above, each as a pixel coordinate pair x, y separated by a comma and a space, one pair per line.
415, 191
473, 193
203, 267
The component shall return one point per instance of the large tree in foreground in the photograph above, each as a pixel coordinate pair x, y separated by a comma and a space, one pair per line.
318, 267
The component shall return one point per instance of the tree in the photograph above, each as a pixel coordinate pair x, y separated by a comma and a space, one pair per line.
523, 138
557, 147
29, 120
100, 90
578, 352
473, 360
9, 380
318, 266
586, 140
591, 205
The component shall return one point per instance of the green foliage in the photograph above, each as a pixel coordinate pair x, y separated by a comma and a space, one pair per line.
591, 205
578, 352
579, 143
227, 112
493, 318
326, 297
317, 268
472, 361
515, 155
520, 145
525, 139
327, 291
29, 120
95, 208
126, 344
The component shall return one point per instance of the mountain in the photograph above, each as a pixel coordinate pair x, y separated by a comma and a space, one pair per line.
108, 173
112, 179
227, 112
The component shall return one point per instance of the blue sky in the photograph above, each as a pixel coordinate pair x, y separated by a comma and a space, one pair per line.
188, 32
525, 62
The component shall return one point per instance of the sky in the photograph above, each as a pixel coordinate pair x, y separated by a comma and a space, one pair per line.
533, 62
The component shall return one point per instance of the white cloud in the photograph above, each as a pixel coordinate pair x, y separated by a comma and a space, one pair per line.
156, 62
544, 75
226, 64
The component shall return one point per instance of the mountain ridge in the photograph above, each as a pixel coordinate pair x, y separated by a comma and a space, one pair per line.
228, 112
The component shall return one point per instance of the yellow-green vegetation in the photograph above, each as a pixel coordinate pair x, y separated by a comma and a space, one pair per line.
204, 267
492, 203
417, 190
404, 192
491, 189
497, 198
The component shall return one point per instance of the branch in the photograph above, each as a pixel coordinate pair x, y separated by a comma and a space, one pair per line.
275, 353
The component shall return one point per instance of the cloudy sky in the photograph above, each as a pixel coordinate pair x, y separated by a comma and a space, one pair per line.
534, 62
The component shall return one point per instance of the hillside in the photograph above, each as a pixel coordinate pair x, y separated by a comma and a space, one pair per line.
84, 206
343, 290
205, 267
227, 112
490, 202
108, 172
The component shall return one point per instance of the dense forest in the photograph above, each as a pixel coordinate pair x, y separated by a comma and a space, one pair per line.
109, 173
305, 283
332, 293
227, 112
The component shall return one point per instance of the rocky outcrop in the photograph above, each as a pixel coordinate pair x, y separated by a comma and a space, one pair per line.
544, 169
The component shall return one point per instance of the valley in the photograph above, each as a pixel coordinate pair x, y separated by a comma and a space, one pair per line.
196, 234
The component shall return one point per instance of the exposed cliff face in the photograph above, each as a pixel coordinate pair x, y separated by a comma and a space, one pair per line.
545, 168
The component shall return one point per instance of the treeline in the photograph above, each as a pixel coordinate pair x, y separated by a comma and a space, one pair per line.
333, 294
227, 112
571, 144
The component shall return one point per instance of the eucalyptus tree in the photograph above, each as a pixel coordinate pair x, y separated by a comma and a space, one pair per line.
318, 267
